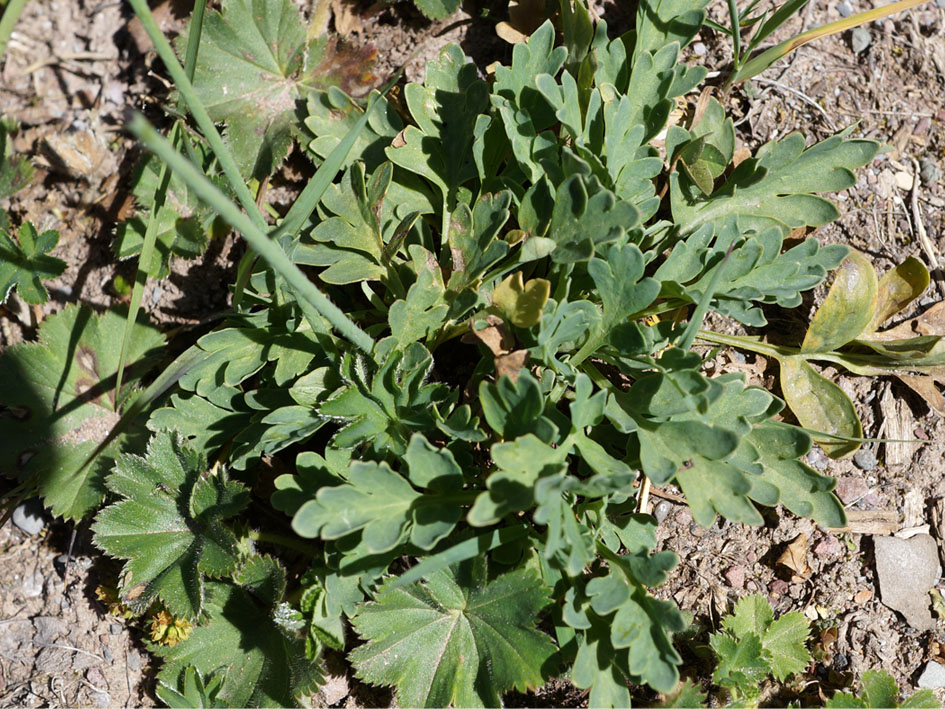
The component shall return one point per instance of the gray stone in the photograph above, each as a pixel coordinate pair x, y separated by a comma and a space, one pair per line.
48, 629
818, 459
844, 9
907, 569
699, 49
84, 660
933, 676
661, 511
33, 585
99, 699
860, 39
29, 516
930, 172
865, 459
134, 661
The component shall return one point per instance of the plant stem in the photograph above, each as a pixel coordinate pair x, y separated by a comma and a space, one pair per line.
11, 13
282, 541
197, 110
736, 36
257, 238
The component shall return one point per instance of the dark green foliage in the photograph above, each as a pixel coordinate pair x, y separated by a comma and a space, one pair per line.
24, 263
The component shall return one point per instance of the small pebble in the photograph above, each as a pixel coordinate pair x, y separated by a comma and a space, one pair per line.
134, 661
100, 700
33, 585
739, 357
661, 510
735, 577
840, 662
156, 294
930, 172
29, 516
829, 546
107, 654
114, 628
699, 49
860, 39
95, 676
844, 9
818, 459
865, 459
933, 676
779, 587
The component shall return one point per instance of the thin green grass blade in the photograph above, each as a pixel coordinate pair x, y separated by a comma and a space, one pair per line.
164, 180
702, 307
477, 546
768, 57
257, 238
11, 13
197, 110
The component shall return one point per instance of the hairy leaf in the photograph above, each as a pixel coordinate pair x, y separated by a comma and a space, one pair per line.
57, 404
255, 63
168, 525
782, 640
24, 264
265, 663
455, 639
15, 172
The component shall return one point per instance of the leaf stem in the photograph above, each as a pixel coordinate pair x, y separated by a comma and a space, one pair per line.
282, 541
257, 238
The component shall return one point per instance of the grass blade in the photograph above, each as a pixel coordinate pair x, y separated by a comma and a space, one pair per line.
768, 57
164, 180
257, 238
197, 110
11, 13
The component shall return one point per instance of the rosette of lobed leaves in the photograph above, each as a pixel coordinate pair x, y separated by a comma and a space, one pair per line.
473, 504
549, 173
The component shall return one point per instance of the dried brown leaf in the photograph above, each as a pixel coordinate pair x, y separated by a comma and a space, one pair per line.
794, 558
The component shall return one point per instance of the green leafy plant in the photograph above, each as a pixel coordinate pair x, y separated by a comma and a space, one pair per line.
879, 689
845, 331
24, 263
752, 645
15, 172
461, 348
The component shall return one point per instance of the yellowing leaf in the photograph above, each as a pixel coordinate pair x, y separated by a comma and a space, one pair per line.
820, 405
520, 302
848, 308
898, 287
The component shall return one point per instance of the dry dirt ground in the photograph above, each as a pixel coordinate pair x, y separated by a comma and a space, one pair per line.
75, 68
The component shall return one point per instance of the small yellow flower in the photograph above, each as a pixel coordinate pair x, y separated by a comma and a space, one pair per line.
169, 630
108, 595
